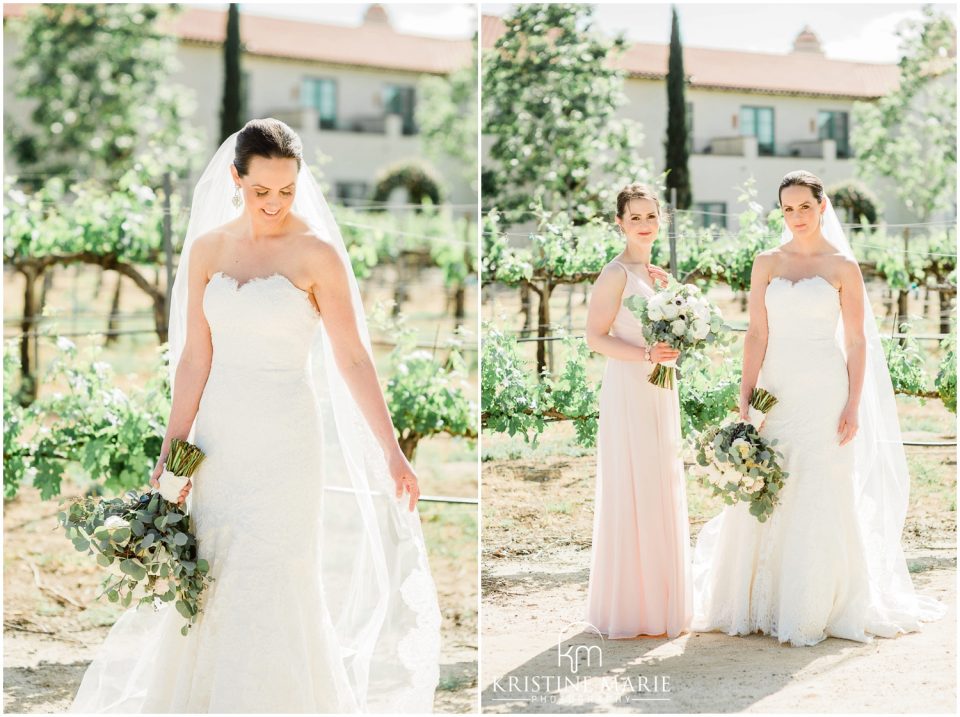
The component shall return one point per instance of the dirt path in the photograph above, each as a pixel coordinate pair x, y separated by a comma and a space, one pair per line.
531, 601
51, 635
537, 519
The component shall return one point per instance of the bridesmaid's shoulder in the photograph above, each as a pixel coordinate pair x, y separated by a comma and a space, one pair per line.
613, 272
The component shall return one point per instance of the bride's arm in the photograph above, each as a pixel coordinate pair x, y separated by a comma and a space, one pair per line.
755, 341
332, 292
855, 345
605, 299
194, 366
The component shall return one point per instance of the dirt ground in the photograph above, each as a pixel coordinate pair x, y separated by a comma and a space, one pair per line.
51, 632
536, 534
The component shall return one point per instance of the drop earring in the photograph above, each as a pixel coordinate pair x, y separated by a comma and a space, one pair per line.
237, 201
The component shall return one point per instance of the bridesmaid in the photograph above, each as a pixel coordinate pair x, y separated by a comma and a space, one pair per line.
640, 564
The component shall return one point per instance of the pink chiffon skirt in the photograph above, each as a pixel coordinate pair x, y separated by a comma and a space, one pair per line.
640, 573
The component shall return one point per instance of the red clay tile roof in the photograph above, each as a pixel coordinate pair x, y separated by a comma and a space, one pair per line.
369, 45
798, 73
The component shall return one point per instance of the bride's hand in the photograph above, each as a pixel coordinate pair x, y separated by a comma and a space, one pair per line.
157, 470
155, 479
403, 477
849, 423
660, 276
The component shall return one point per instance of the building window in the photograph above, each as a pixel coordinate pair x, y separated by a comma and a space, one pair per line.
352, 193
758, 122
320, 93
710, 214
835, 125
399, 100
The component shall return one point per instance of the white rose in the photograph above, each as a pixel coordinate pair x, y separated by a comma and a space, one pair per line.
114, 522
670, 311
701, 310
701, 329
678, 327
742, 447
171, 485
654, 313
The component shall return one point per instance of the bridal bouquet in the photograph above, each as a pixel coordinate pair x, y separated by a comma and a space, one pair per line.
744, 466
148, 537
679, 316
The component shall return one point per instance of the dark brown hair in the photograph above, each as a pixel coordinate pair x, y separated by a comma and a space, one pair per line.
269, 138
637, 191
802, 178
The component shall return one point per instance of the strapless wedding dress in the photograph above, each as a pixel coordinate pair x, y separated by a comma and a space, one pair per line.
264, 641
803, 574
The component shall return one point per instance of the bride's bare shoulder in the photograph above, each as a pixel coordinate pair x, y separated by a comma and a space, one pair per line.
768, 259
208, 246
318, 253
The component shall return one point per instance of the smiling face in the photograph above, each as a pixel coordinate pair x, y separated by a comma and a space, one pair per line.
640, 220
801, 210
268, 188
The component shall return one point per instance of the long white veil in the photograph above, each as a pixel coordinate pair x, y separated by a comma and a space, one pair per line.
374, 568
881, 481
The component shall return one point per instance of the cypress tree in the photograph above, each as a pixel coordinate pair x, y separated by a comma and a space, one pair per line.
677, 145
230, 117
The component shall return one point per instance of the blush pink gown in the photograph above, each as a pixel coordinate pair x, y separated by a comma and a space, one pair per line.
640, 573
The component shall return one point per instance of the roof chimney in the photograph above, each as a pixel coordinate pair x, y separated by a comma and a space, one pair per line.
376, 14
807, 41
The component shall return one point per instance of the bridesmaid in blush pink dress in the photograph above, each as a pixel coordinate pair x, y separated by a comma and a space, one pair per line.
640, 582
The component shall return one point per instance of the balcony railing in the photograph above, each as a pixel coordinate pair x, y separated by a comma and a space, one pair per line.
748, 147
307, 118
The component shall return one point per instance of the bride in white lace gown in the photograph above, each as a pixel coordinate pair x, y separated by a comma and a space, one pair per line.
828, 561
321, 599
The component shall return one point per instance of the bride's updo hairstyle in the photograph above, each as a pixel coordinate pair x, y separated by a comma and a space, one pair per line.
269, 138
802, 178
637, 191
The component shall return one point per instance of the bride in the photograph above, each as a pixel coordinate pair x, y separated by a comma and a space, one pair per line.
828, 561
304, 507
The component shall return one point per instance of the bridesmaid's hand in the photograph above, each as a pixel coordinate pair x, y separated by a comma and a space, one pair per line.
662, 352
403, 477
849, 423
660, 277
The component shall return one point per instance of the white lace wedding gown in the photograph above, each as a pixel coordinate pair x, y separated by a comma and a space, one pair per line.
264, 641
802, 574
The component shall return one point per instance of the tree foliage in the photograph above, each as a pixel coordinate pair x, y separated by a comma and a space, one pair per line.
98, 78
549, 103
910, 134
231, 119
677, 144
447, 117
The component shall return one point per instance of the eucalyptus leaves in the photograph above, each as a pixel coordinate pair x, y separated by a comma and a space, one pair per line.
742, 465
148, 538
